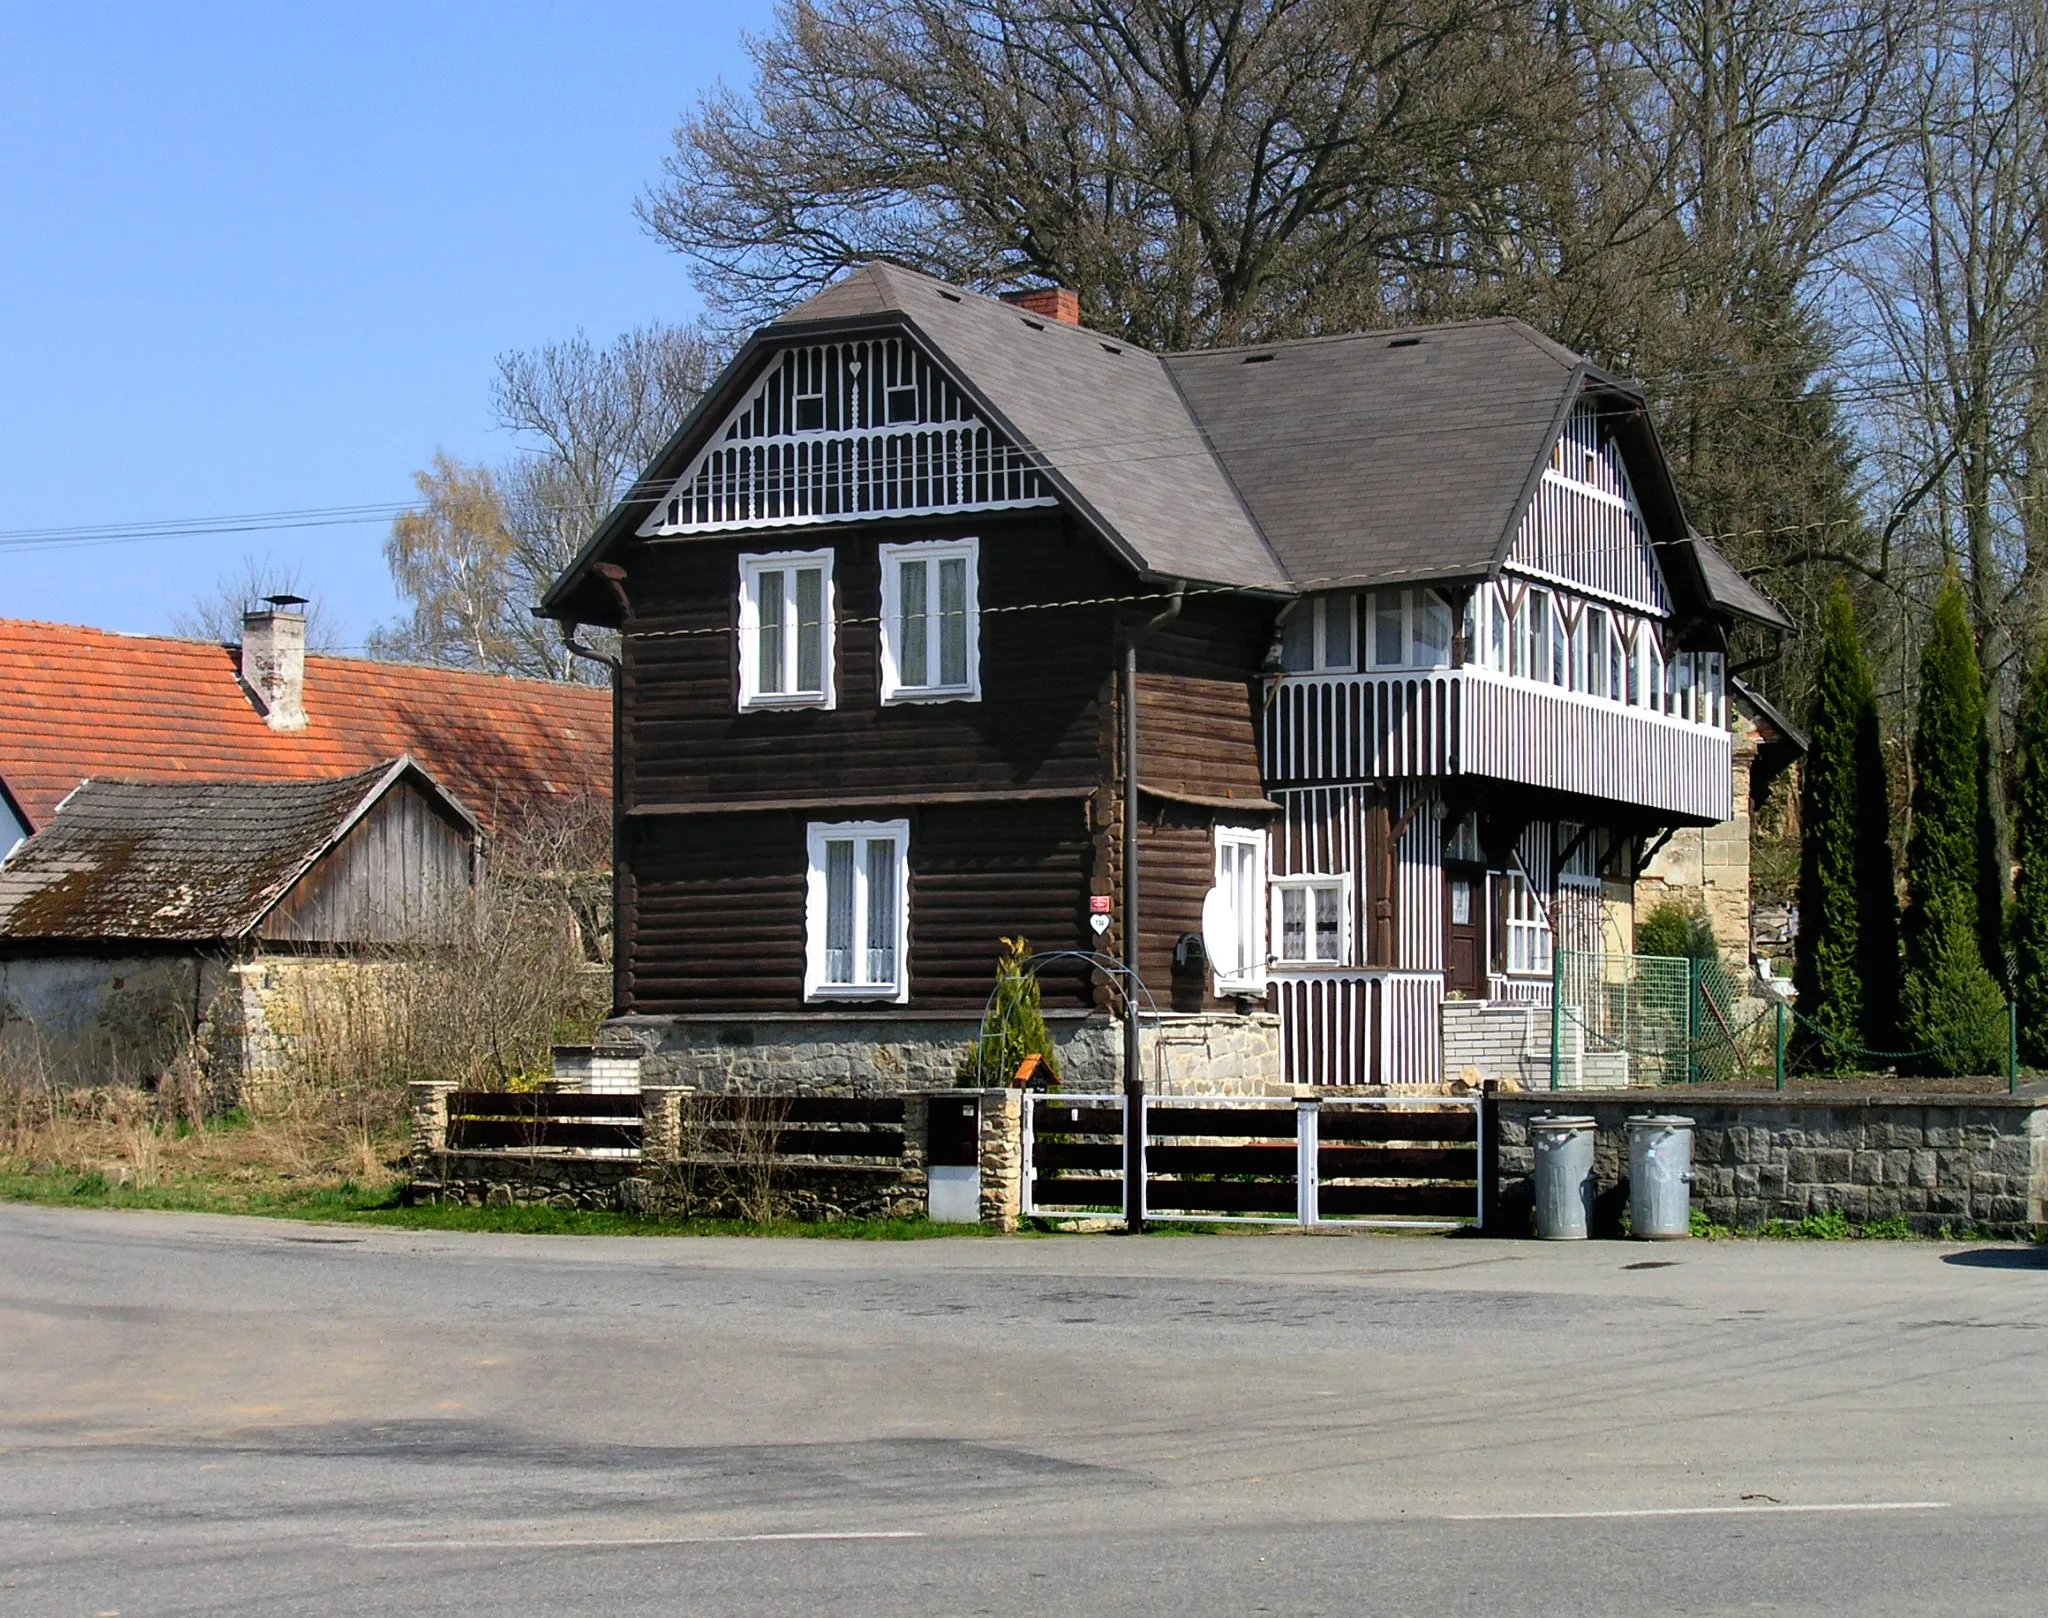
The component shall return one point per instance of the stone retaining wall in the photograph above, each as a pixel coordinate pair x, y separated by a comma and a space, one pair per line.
1955, 1161
1206, 1053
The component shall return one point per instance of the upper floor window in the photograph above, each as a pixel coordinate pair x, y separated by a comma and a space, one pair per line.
786, 630
931, 622
857, 911
1320, 635
1408, 629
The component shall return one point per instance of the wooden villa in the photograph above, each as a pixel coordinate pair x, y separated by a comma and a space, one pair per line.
1406, 632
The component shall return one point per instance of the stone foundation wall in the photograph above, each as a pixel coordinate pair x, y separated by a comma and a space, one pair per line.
1961, 1162
851, 1054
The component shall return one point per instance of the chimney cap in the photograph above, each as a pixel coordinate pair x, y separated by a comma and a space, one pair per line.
285, 603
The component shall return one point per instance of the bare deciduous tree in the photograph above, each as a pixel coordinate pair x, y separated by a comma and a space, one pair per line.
488, 541
217, 615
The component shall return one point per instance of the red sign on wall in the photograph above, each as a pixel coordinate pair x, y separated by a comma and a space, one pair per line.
1098, 904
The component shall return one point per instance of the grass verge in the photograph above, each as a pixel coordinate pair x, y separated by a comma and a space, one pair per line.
350, 1204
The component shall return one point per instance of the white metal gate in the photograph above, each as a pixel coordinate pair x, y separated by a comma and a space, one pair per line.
1366, 1161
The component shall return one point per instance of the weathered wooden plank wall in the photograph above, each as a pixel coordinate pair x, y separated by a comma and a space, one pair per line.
387, 880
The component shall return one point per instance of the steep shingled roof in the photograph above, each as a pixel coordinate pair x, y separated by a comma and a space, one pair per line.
1105, 415
185, 861
1378, 456
1385, 455
78, 702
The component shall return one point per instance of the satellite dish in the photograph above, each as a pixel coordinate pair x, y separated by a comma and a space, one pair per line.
1219, 938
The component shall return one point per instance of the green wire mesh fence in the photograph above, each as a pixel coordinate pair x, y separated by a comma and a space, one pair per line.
1655, 1019
1671, 1020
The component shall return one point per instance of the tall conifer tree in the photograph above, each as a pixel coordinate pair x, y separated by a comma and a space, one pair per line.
1948, 999
1846, 969
2030, 851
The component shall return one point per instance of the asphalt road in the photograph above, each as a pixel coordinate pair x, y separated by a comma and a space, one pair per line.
224, 1416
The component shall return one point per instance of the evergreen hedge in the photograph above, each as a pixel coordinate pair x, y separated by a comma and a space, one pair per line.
1949, 999
2030, 851
1846, 966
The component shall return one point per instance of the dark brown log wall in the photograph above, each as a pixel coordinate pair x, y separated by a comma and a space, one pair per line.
1043, 673
721, 905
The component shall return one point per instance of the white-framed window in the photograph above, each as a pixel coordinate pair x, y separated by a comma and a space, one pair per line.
1312, 920
1408, 629
1234, 914
1320, 635
857, 911
931, 621
786, 630
1525, 928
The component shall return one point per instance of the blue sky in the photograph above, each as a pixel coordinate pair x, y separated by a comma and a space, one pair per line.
261, 258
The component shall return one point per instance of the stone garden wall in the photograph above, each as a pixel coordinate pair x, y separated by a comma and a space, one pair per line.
1954, 1161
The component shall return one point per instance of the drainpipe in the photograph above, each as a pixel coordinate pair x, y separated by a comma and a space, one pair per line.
1134, 1071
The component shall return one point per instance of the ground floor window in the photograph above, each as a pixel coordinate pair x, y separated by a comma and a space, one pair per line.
1524, 935
856, 921
1311, 920
1234, 915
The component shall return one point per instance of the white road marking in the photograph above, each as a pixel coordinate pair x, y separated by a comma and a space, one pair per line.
1696, 1511
622, 1543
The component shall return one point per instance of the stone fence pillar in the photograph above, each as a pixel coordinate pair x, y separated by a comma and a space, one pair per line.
429, 1125
1002, 1157
661, 1122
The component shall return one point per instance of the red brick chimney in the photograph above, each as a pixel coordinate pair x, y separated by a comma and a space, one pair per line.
1054, 303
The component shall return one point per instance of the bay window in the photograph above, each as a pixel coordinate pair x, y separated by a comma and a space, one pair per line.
857, 911
931, 622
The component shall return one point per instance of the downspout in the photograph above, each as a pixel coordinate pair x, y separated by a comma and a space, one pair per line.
614, 577
1134, 1071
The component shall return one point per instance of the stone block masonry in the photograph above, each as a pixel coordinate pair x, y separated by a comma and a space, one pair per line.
1961, 1162
849, 1054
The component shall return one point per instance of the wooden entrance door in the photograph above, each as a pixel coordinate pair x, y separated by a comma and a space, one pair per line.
1465, 930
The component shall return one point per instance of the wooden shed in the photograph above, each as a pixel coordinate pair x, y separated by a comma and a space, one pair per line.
126, 921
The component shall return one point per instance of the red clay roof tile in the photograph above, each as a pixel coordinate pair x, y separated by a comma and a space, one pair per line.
77, 702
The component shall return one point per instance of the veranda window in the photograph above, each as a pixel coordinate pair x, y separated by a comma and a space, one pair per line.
1410, 629
1320, 636
1311, 920
1234, 914
856, 922
931, 622
786, 630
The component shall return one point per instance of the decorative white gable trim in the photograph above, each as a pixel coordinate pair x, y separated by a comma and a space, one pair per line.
1583, 528
841, 430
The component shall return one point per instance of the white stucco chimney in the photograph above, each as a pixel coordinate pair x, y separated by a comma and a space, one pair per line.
274, 661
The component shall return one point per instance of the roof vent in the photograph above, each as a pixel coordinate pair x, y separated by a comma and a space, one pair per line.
950, 297
1404, 342
1259, 359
